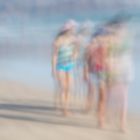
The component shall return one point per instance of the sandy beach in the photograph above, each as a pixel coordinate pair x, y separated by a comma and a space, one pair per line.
28, 113
27, 108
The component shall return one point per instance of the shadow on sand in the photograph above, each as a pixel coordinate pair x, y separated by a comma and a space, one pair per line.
41, 114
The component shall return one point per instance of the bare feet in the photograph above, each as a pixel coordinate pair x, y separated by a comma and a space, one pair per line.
123, 128
66, 113
101, 125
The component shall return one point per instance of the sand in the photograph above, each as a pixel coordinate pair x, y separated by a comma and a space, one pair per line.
28, 113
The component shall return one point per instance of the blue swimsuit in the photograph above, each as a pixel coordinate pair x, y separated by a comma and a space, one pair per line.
65, 60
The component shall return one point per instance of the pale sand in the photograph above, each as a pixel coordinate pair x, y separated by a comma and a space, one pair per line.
28, 114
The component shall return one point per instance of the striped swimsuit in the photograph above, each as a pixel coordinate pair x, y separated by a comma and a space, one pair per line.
65, 61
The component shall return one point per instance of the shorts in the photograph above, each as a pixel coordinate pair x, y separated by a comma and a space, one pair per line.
66, 68
98, 77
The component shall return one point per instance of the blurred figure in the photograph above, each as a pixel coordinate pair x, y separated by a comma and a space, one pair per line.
84, 37
64, 56
95, 72
120, 68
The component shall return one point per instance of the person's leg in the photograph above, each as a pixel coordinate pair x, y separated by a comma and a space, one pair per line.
90, 95
124, 96
57, 94
68, 85
63, 89
102, 104
109, 89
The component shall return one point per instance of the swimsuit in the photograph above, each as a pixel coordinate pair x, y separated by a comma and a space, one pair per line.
65, 60
96, 64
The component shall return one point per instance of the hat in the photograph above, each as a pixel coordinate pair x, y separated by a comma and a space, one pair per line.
69, 25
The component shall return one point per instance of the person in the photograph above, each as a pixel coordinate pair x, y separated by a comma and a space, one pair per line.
64, 56
95, 72
84, 35
120, 68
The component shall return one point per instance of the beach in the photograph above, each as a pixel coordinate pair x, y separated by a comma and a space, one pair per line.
27, 88
29, 113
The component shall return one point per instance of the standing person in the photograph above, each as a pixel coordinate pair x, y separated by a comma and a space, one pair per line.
95, 73
64, 55
84, 36
120, 68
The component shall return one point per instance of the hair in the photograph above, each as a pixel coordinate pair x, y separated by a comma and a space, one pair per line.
118, 20
61, 33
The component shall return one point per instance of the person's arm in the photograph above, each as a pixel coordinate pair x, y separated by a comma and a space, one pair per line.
54, 58
87, 56
86, 72
86, 67
76, 48
106, 54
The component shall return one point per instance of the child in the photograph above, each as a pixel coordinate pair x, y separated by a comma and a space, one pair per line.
95, 72
65, 51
